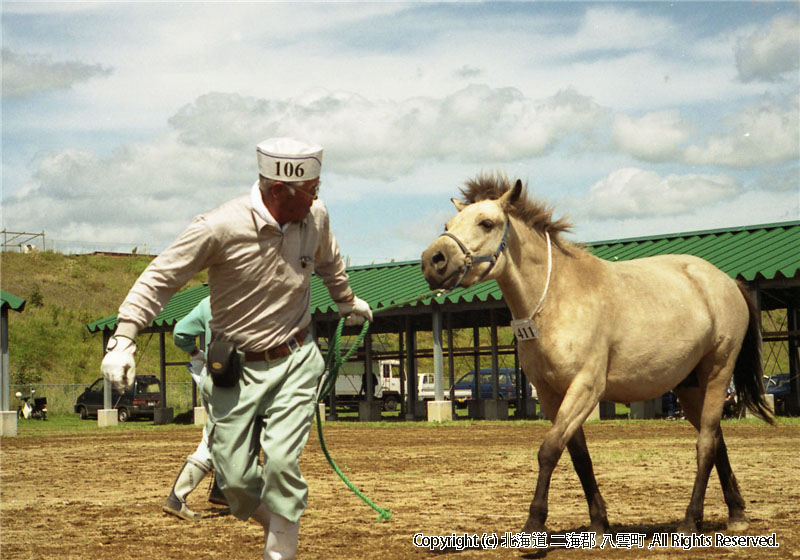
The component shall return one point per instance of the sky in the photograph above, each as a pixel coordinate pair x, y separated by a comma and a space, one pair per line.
122, 121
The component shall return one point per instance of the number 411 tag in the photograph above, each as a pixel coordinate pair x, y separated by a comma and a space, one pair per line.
524, 329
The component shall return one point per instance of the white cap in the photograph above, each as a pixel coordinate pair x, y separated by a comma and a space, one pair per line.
289, 159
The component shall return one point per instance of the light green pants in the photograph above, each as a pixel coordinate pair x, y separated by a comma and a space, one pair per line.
271, 408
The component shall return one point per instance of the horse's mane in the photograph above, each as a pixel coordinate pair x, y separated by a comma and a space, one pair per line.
535, 214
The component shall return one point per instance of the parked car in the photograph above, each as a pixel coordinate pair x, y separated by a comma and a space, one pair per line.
507, 388
779, 386
140, 400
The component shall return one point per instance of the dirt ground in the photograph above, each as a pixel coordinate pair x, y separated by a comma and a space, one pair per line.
99, 494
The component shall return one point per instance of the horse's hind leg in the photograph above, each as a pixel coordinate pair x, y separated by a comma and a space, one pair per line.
691, 401
583, 466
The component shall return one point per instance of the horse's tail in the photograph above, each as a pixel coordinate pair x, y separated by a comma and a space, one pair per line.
747, 374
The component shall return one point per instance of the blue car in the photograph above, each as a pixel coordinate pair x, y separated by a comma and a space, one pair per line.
507, 388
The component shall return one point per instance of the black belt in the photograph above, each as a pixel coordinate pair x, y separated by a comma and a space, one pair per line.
278, 352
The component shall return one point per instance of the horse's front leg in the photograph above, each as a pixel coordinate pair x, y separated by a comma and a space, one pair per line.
583, 466
567, 416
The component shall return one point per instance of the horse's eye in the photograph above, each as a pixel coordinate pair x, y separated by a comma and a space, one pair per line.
486, 224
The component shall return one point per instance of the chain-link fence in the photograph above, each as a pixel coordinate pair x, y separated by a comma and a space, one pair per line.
61, 398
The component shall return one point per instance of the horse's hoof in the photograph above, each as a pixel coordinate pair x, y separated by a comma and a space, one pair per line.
533, 526
688, 527
601, 528
739, 524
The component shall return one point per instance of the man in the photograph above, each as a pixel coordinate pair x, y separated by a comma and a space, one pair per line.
260, 250
199, 463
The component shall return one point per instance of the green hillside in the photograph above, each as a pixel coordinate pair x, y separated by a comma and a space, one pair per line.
49, 342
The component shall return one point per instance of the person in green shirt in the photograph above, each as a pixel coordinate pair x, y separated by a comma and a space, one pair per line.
199, 463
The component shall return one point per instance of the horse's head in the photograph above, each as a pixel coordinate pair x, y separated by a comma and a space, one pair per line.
472, 247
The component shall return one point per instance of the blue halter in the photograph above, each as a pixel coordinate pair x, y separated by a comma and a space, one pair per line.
470, 259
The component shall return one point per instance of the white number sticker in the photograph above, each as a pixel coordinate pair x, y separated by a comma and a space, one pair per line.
524, 329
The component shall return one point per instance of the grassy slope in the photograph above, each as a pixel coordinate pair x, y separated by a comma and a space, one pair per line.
49, 342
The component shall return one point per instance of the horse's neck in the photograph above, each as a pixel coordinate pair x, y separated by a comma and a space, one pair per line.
524, 277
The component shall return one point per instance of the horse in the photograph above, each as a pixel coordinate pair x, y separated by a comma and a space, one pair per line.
589, 330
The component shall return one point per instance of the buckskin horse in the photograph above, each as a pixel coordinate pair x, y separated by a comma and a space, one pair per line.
589, 330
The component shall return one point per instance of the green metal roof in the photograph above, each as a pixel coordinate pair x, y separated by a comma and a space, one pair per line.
383, 285
756, 252
11, 301
178, 307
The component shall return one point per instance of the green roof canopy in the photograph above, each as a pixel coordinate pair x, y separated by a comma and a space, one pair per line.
763, 252
749, 253
10, 301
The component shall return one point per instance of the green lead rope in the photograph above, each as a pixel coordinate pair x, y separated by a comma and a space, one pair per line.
333, 362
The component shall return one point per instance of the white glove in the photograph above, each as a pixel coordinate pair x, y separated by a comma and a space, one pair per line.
118, 366
197, 363
357, 311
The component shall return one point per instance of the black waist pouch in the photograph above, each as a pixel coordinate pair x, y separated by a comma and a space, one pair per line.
223, 363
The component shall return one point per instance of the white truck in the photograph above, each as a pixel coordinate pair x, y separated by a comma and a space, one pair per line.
427, 392
387, 389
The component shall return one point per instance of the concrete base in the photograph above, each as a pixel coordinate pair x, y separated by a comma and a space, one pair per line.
527, 410
162, 416
419, 412
642, 410
604, 411
440, 411
488, 409
107, 417
200, 416
370, 411
770, 401
8, 423
608, 410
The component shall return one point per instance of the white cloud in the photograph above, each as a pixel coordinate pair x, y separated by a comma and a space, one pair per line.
209, 154
634, 192
384, 139
751, 208
761, 134
25, 75
653, 137
613, 28
567, 93
771, 51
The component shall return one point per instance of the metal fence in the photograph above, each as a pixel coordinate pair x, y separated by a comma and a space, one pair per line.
61, 398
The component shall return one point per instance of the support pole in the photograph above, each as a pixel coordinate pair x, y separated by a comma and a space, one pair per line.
451, 367
369, 410
438, 409
8, 417
438, 360
5, 374
107, 416
162, 414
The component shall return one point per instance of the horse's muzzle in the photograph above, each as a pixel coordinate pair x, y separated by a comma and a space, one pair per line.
438, 268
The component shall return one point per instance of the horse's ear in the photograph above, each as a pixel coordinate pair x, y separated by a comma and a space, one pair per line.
458, 204
512, 195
